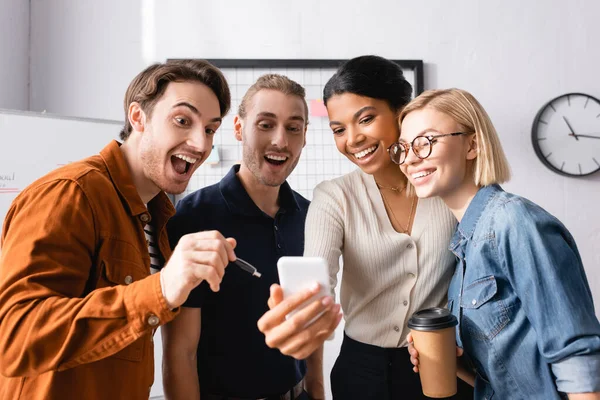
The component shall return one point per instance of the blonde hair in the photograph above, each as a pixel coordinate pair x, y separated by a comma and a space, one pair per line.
491, 165
276, 82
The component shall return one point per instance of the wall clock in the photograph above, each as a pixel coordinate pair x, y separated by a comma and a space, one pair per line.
566, 134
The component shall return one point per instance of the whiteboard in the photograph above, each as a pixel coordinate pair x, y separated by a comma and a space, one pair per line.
33, 144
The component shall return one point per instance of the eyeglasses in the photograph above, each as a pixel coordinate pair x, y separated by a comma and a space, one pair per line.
421, 146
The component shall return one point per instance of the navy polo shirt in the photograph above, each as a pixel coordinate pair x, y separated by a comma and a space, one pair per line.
233, 359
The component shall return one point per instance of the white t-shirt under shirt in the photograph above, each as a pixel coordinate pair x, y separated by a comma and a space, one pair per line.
386, 275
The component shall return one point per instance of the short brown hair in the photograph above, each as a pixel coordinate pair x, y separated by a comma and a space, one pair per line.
150, 84
280, 83
491, 165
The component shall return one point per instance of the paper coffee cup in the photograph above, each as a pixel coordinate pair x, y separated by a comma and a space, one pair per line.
434, 338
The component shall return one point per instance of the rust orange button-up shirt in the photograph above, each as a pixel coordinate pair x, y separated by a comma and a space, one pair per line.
78, 305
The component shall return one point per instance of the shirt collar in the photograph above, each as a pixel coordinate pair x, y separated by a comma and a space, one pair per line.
467, 225
160, 206
239, 202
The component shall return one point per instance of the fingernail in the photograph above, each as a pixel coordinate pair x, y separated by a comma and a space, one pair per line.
314, 287
326, 301
336, 308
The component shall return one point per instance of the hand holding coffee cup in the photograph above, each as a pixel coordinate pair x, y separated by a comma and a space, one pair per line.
414, 354
433, 353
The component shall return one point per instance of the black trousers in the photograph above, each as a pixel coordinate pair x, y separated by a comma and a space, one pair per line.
366, 372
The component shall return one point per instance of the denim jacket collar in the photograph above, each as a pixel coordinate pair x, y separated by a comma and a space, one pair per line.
467, 225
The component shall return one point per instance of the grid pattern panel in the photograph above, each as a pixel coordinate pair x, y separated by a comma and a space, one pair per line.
320, 159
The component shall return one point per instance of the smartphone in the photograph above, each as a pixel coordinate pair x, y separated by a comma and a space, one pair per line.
299, 273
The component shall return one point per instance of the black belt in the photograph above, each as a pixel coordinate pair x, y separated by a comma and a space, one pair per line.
291, 394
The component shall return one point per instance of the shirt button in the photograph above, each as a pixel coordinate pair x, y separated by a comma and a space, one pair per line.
411, 275
128, 279
409, 246
474, 302
276, 228
397, 328
405, 302
144, 217
278, 246
153, 320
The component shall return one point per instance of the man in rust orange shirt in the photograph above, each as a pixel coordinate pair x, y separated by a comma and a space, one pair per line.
78, 302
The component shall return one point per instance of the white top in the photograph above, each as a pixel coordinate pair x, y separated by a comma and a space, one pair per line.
386, 276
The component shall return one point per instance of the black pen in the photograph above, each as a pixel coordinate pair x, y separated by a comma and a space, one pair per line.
246, 266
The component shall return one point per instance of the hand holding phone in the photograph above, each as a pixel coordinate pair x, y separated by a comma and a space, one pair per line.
297, 274
315, 316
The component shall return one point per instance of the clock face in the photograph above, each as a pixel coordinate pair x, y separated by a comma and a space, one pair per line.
566, 134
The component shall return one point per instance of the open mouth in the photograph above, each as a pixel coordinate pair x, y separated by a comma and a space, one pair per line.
275, 160
365, 152
182, 164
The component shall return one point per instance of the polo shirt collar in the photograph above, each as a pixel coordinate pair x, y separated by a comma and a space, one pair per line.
239, 201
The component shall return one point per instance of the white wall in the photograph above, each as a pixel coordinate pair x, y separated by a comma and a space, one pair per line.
84, 53
14, 50
513, 55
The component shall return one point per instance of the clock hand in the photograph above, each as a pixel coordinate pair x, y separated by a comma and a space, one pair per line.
572, 131
585, 136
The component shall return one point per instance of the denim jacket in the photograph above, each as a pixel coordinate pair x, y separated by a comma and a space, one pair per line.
525, 309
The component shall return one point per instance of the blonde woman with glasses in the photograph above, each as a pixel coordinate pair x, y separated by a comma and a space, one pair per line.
520, 293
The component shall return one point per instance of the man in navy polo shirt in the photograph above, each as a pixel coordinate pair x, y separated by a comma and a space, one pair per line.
213, 349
